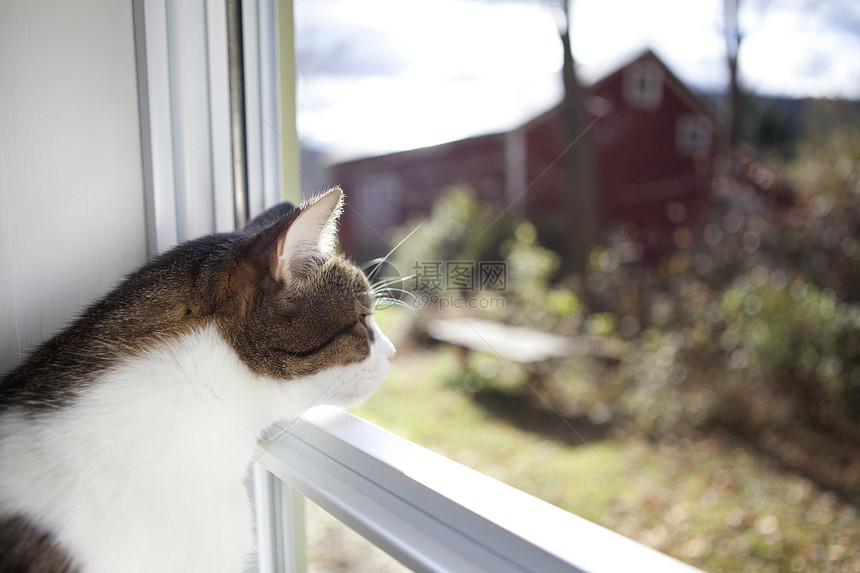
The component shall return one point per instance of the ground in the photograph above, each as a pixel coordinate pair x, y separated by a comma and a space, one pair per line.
711, 500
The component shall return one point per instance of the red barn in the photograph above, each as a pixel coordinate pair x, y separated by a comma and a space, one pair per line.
654, 141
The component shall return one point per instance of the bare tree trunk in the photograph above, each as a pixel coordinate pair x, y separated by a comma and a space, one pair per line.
736, 97
582, 189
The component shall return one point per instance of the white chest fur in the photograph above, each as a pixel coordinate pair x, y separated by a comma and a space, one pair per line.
145, 471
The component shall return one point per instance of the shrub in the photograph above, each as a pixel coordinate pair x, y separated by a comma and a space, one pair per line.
755, 323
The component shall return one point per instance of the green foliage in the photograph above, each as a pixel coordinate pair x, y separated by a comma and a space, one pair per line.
766, 125
757, 324
754, 327
754, 324
712, 502
461, 229
797, 339
757, 355
458, 229
532, 298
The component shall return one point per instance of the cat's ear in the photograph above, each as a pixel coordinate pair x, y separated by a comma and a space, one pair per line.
310, 237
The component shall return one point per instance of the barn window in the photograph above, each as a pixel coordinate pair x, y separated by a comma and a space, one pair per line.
693, 135
643, 86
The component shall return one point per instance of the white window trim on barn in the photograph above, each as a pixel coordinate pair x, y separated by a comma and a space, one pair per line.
642, 86
693, 134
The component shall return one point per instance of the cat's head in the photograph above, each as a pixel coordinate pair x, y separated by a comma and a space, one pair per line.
297, 310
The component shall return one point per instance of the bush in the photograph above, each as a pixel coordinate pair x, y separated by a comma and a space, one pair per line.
533, 296
461, 229
757, 323
797, 340
754, 324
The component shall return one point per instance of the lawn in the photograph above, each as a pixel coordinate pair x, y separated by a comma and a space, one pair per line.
710, 500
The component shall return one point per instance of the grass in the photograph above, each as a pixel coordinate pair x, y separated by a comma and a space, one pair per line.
709, 500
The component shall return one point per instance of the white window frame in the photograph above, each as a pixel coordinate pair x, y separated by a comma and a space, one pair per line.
262, 125
186, 131
430, 513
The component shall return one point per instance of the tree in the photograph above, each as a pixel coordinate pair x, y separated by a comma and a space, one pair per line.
582, 191
733, 37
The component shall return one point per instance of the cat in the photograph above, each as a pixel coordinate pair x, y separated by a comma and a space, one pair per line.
125, 439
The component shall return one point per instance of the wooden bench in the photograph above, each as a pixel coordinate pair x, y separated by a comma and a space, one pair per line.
525, 346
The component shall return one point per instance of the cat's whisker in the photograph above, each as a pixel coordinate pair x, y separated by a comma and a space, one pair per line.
278, 436
391, 252
384, 292
386, 283
393, 299
299, 421
395, 294
393, 289
390, 300
302, 445
396, 302
270, 441
370, 263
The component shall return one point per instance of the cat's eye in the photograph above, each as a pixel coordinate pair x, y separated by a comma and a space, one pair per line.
363, 319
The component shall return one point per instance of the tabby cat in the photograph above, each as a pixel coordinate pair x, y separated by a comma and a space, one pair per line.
126, 438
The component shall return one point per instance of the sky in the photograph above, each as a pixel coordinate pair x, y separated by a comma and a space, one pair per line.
376, 76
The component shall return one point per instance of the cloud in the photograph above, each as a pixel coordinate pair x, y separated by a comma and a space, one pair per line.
382, 114
444, 70
799, 51
362, 53
329, 43
383, 75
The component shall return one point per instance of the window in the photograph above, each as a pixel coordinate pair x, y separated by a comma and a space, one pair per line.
212, 139
429, 512
693, 135
642, 86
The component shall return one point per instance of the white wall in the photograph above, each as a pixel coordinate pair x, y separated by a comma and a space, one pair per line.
71, 194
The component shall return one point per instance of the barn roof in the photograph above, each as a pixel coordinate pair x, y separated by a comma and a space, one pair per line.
692, 100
